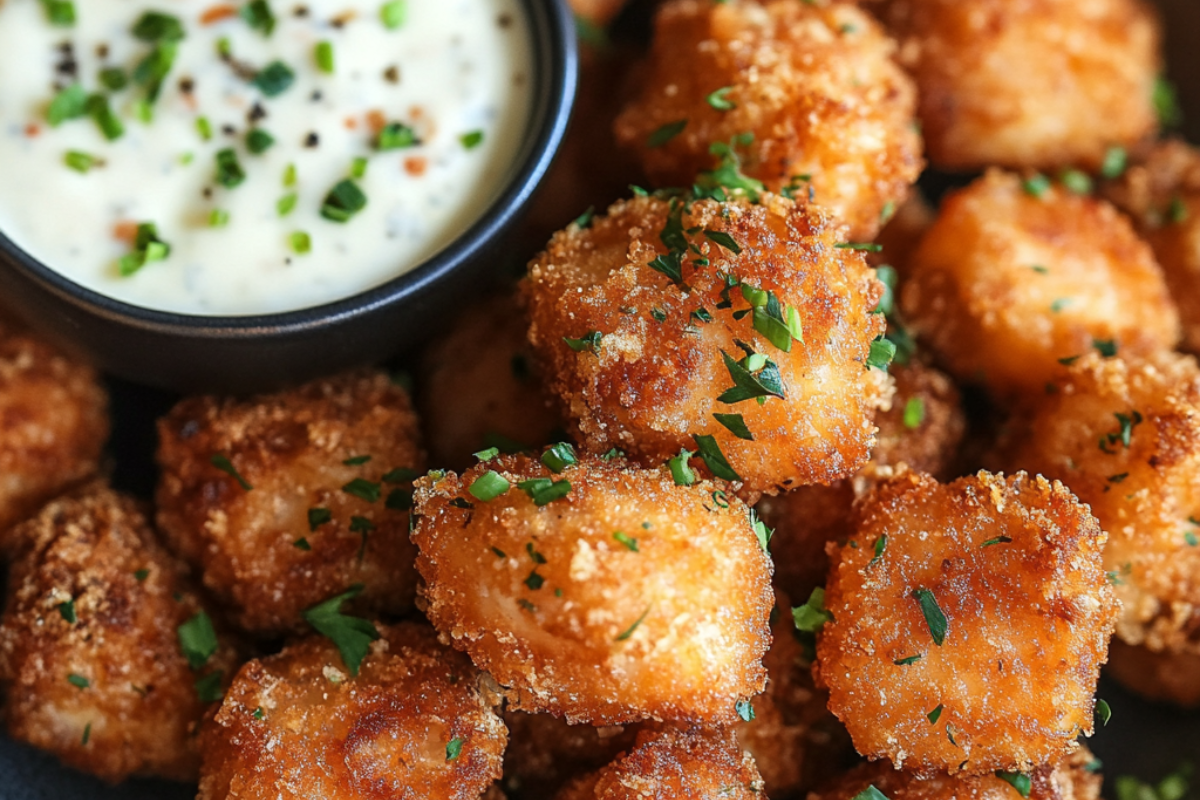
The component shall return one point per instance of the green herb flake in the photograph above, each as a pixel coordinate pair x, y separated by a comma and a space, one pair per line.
70, 103
589, 341
141, 575
274, 79
67, 610
724, 240
1057, 305
736, 425
258, 15
323, 55
154, 26
914, 413
934, 618
396, 136
881, 354
1036, 185
471, 140
666, 133
904, 662
558, 457
997, 540
880, 546
1105, 347
286, 204
761, 532
302, 544
363, 489
318, 517
865, 247
1018, 780
720, 99
935, 715
745, 710
59, 13
681, 471
717, 464
454, 748
87, 734
223, 463
584, 220
754, 377
870, 793
627, 540
106, 120
1115, 162
488, 486
82, 162
301, 242
208, 687
229, 170
259, 141
1103, 711
1177, 211
628, 632
344, 200
809, 617
1076, 181
351, 635
197, 640
78, 681
534, 581
543, 490
393, 13
1166, 103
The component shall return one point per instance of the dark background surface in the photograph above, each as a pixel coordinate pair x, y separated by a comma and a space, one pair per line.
1142, 739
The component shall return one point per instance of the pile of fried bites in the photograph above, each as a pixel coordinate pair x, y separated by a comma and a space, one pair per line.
583, 597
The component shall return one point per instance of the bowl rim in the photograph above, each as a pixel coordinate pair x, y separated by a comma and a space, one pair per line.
555, 79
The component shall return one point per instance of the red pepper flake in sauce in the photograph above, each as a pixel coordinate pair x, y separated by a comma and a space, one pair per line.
416, 165
215, 14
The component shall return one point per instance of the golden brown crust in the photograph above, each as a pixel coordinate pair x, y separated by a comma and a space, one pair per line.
110, 693
814, 83
256, 549
1146, 495
1004, 284
295, 725
545, 752
654, 379
1028, 83
1028, 618
671, 764
1156, 675
54, 416
575, 621
1161, 192
1073, 778
478, 386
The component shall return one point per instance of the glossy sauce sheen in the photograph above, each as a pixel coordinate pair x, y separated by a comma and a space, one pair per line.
454, 67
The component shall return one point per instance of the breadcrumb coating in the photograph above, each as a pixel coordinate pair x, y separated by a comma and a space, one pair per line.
325, 507
1028, 83
1162, 676
627, 598
545, 752
1015, 275
814, 83
90, 653
667, 351
54, 416
417, 721
970, 638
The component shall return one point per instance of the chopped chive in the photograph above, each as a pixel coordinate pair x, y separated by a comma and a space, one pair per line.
488, 454
584, 220
720, 99
809, 617
544, 490
666, 133
358, 168
344, 200
997, 540
70, 103
323, 53
60, 13
866, 247
301, 243
102, 114
471, 140
1103, 711
274, 79
488, 486
1017, 780
392, 14
1076, 182
259, 141
627, 540
78, 681
229, 170
204, 128
258, 15
396, 136
218, 218
87, 734
154, 26
286, 204
223, 463
558, 457
904, 662
113, 78
629, 631
934, 617
289, 176
82, 162
914, 413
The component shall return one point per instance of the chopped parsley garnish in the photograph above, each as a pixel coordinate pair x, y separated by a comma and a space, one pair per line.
559, 456
301, 242
914, 413
881, 354
318, 517
274, 79
1036, 185
393, 13
141, 575
666, 133
1103, 711
1115, 161
681, 472
584, 220
880, 546
488, 486
258, 15
454, 748
218, 218
544, 490
779, 323
197, 640
61, 14
629, 631
534, 581
471, 140
104, 117
904, 662
627, 540
865, 247
753, 377
229, 169
363, 489
870, 793
113, 78
717, 464
1105, 347
344, 200
302, 544
935, 715
399, 475
286, 204
720, 99
351, 635
208, 687
812, 615
154, 26
724, 240
323, 55
727, 177
1166, 103
396, 136
259, 141
1057, 305
70, 103
67, 610
736, 425
1018, 780
487, 454
745, 710
761, 532
997, 540
355, 461
1177, 211
934, 617
78, 681
534, 555
82, 162
223, 463
87, 734
589, 341
1076, 181
1124, 433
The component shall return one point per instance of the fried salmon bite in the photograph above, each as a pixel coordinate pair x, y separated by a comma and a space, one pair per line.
107, 654
1125, 436
414, 720
1015, 275
807, 93
596, 591
742, 332
53, 421
283, 500
1028, 83
1070, 779
966, 624
671, 764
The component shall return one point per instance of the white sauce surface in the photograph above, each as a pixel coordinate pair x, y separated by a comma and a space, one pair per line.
464, 66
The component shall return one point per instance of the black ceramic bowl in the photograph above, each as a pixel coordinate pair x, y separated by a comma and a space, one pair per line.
191, 353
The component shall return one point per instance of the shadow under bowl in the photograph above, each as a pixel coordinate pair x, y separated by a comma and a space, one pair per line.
241, 354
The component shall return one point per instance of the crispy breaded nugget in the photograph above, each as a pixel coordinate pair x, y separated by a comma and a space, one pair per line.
672, 764
1015, 275
545, 752
1072, 778
922, 428
478, 386
416, 721
1125, 436
1163, 676
815, 85
605, 594
1035, 83
902, 233
968, 623
1162, 194
796, 743
646, 363
54, 419
284, 500
96, 639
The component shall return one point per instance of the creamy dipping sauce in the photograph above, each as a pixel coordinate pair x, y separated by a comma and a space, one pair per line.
445, 84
